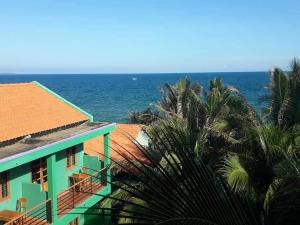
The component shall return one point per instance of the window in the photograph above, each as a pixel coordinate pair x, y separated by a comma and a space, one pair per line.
71, 157
75, 221
4, 190
39, 172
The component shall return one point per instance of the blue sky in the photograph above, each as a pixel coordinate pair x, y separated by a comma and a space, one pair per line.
134, 36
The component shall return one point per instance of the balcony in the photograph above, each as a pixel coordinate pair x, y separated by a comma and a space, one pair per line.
85, 186
38, 215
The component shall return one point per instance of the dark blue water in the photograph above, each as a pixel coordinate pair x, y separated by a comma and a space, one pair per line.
112, 97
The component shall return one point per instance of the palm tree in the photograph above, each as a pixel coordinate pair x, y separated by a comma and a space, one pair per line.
289, 113
176, 188
179, 188
146, 117
213, 122
268, 170
277, 89
284, 97
269, 174
176, 98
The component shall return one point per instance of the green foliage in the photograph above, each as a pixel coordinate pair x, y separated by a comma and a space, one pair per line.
289, 113
277, 90
235, 174
145, 117
178, 99
283, 97
179, 189
210, 122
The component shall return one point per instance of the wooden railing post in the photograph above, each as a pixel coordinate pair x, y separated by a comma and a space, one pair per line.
91, 181
73, 196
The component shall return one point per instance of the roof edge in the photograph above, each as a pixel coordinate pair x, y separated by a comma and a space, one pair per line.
110, 126
91, 119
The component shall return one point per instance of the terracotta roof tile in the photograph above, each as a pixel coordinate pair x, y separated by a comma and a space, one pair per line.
120, 140
27, 109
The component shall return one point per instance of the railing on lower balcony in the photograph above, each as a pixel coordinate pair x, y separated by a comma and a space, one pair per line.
38, 215
81, 191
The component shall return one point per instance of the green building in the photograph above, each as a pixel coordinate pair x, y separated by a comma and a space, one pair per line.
45, 176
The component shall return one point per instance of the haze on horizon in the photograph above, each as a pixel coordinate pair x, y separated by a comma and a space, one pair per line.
147, 36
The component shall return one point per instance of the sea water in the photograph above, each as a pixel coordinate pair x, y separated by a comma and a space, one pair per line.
110, 97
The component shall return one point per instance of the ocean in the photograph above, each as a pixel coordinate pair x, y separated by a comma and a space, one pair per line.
110, 97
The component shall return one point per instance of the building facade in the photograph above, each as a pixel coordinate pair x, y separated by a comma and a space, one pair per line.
45, 176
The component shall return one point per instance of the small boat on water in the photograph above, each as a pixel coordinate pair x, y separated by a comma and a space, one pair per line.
134, 78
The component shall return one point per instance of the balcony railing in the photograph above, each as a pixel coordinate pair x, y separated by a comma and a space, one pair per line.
38, 215
81, 191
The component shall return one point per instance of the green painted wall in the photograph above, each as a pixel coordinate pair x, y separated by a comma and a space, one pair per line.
20, 186
52, 179
107, 159
91, 162
34, 194
62, 172
17, 176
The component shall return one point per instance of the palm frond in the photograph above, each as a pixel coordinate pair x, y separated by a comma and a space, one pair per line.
183, 188
289, 113
277, 90
235, 174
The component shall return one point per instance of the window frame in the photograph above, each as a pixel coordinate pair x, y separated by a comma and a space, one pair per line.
43, 177
7, 187
71, 160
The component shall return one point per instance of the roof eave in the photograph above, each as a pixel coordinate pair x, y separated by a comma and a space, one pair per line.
42, 151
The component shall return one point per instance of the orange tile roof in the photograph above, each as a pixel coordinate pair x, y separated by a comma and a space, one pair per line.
27, 109
120, 142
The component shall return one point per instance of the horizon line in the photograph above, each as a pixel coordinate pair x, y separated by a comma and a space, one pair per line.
133, 73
